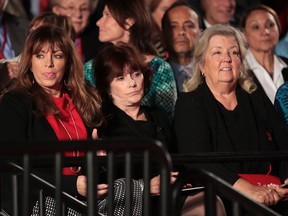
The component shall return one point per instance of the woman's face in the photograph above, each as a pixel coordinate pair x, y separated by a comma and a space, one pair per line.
48, 68
109, 29
222, 61
261, 31
77, 10
127, 90
218, 11
158, 14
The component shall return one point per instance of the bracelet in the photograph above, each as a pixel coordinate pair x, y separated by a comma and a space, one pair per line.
141, 183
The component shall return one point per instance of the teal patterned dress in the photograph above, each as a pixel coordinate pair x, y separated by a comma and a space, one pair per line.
281, 102
163, 90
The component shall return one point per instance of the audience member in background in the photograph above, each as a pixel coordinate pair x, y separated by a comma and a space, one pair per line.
218, 12
121, 79
126, 22
223, 112
50, 18
181, 27
281, 102
13, 32
261, 27
157, 9
47, 18
79, 11
50, 101
282, 46
28, 8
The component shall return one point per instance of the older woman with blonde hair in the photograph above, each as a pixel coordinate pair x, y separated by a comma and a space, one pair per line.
224, 112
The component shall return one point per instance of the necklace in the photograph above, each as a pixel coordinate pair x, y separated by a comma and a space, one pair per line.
78, 169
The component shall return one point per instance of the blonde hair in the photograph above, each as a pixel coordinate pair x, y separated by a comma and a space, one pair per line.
245, 79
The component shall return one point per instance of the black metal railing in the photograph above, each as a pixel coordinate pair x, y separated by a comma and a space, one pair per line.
215, 185
24, 161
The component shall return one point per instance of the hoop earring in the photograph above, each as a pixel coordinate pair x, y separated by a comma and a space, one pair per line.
65, 83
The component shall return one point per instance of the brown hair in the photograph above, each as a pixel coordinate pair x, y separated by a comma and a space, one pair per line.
84, 97
259, 7
50, 18
112, 61
141, 31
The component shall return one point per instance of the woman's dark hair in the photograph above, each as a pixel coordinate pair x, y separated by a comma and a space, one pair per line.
84, 97
113, 61
141, 31
255, 7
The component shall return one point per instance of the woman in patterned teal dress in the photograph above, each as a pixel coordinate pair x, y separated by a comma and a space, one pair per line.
130, 22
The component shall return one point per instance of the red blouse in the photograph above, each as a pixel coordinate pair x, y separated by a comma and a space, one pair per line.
70, 128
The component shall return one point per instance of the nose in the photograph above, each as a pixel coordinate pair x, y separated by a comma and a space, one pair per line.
182, 31
266, 31
227, 57
132, 82
98, 22
49, 63
77, 12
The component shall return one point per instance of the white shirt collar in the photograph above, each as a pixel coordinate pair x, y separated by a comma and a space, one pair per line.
270, 86
206, 23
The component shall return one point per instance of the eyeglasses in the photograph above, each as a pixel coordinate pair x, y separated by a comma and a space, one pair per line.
71, 9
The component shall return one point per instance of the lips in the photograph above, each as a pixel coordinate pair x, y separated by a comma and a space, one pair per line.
49, 74
226, 69
134, 93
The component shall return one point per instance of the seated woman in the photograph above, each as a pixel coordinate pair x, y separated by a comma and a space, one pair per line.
122, 77
50, 101
223, 112
262, 28
126, 24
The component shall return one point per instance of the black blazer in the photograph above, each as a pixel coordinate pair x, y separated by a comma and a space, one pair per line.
200, 127
18, 122
119, 124
284, 74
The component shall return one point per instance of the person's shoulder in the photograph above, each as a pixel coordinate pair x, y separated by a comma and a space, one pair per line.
22, 22
153, 111
284, 59
89, 64
157, 61
16, 96
192, 97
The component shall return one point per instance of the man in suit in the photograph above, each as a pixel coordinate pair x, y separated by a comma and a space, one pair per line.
218, 12
181, 27
13, 32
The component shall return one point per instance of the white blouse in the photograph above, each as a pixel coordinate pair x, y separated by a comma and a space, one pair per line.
269, 85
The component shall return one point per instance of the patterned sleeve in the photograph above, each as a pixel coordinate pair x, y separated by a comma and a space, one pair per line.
163, 91
281, 102
89, 72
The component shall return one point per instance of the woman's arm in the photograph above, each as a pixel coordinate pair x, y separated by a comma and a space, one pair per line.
14, 114
163, 91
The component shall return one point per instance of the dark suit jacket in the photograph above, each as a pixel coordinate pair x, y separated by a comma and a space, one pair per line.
17, 28
284, 74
